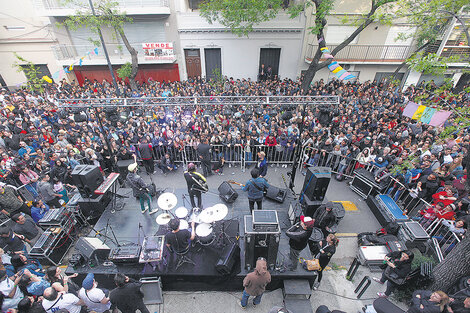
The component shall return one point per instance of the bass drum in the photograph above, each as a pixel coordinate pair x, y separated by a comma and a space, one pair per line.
205, 235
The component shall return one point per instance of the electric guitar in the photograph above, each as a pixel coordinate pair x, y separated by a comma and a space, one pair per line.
235, 183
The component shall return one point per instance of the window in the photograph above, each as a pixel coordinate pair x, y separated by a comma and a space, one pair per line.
194, 4
337, 34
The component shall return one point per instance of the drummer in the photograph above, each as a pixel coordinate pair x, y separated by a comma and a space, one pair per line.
178, 240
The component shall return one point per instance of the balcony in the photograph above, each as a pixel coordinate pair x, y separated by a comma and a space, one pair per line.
131, 7
371, 54
118, 54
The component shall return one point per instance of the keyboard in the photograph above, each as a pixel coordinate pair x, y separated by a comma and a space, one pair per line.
107, 183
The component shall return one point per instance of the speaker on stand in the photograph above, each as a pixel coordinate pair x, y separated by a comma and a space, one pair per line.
316, 183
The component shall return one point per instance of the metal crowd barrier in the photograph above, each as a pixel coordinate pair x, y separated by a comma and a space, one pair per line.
443, 239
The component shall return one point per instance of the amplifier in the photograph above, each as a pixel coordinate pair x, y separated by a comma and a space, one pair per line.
390, 207
260, 244
125, 254
276, 194
265, 221
152, 249
90, 247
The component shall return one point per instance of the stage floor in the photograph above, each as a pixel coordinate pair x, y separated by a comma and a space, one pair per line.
202, 276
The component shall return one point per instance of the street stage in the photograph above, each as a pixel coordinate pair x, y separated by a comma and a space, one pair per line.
130, 227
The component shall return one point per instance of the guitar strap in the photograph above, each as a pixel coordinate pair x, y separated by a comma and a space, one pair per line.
257, 187
196, 179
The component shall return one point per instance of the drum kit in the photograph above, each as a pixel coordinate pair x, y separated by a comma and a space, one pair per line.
204, 219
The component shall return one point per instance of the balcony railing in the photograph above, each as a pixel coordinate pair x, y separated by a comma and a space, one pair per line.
365, 53
115, 51
49, 5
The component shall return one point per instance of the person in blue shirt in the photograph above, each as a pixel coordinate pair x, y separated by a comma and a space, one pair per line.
262, 165
38, 210
255, 188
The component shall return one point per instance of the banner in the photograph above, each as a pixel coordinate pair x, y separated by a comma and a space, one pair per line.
426, 114
158, 51
334, 67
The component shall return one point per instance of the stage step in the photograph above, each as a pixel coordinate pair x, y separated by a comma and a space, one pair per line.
296, 289
298, 305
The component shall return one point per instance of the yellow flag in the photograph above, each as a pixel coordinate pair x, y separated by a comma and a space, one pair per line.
419, 112
47, 79
336, 70
71, 67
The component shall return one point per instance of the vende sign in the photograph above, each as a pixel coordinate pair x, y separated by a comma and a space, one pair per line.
158, 45
158, 51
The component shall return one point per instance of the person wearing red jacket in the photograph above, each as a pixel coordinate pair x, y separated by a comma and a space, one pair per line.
448, 213
447, 197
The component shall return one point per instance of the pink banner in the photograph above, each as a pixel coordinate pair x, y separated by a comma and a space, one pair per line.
410, 109
439, 118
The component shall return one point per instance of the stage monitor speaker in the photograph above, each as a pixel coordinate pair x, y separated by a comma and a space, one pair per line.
92, 208
122, 166
276, 194
230, 256
261, 245
89, 247
316, 183
309, 206
227, 193
87, 178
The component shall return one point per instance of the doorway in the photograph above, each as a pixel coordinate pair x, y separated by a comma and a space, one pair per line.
213, 62
270, 57
193, 62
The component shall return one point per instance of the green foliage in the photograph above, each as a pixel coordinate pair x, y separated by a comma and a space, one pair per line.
125, 70
430, 63
240, 15
218, 81
107, 15
35, 82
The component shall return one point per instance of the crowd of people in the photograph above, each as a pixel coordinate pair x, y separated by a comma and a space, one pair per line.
41, 143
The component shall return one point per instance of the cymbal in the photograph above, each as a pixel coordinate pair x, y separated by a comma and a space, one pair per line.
207, 216
167, 201
163, 219
220, 212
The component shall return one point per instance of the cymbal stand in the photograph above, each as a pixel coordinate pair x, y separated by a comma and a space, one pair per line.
223, 235
104, 233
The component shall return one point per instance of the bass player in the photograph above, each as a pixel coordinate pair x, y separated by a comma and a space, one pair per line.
196, 185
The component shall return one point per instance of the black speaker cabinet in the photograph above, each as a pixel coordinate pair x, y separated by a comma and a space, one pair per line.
230, 256
382, 217
309, 206
316, 183
260, 244
227, 193
276, 194
93, 207
122, 166
88, 247
87, 178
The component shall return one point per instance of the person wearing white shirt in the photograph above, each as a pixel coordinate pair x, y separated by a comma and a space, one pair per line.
55, 301
9, 287
93, 297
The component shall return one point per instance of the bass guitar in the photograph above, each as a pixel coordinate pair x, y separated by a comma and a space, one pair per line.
235, 183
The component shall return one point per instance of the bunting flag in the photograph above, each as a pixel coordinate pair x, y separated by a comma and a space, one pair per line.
426, 114
47, 79
71, 67
66, 70
55, 75
334, 67
80, 62
96, 51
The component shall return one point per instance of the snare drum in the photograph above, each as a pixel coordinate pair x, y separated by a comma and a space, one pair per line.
204, 233
184, 224
181, 212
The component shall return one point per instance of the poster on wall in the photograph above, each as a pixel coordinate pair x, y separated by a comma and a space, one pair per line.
158, 51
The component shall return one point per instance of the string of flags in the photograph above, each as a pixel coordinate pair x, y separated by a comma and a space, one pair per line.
60, 73
427, 115
334, 67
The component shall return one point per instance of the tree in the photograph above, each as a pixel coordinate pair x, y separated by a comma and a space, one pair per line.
241, 15
107, 15
429, 17
35, 82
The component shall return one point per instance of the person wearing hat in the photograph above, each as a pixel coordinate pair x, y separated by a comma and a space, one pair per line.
324, 217
10, 202
9, 288
196, 183
140, 189
94, 298
298, 238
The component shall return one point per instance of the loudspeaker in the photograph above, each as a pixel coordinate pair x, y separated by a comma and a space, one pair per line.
227, 193
230, 255
92, 208
309, 206
276, 194
316, 183
88, 247
261, 245
382, 217
122, 166
87, 178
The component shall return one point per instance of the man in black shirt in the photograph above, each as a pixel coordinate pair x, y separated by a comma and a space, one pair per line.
298, 238
10, 242
127, 297
204, 152
26, 227
178, 239
196, 184
324, 217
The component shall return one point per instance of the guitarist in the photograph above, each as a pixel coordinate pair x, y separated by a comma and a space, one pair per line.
255, 187
196, 184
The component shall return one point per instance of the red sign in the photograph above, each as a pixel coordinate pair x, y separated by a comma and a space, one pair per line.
158, 51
